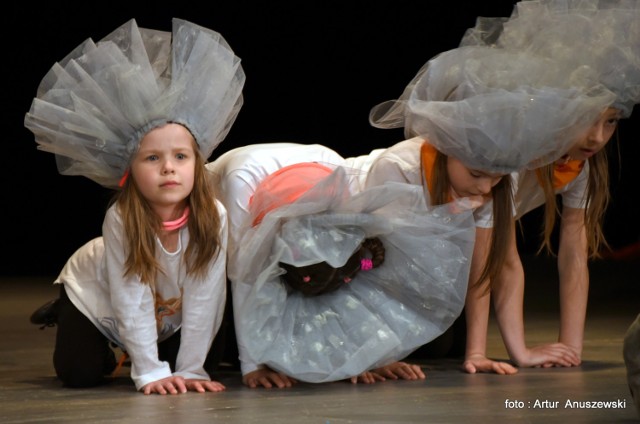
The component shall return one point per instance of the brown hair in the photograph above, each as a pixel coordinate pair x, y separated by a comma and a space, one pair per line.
502, 201
141, 225
597, 198
321, 278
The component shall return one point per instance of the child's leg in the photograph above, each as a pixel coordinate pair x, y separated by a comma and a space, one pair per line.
82, 356
632, 360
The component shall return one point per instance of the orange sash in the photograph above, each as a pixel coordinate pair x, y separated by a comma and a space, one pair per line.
564, 173
427, 160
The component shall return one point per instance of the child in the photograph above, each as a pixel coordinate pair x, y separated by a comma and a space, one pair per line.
598, 43
143, 110
479, 114
303, 216
474, 111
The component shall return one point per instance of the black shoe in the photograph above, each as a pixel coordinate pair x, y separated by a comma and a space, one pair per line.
46, 315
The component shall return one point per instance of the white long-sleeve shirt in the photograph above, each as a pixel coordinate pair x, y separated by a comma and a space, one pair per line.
136, 316
402, 163
528, 193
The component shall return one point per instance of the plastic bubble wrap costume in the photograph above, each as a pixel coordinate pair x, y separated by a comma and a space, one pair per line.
382, 314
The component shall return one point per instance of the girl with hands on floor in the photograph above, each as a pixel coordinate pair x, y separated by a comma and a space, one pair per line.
477, 114
596, 43
323, 262
141, 111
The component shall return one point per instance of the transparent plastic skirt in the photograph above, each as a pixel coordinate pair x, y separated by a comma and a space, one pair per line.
381, 315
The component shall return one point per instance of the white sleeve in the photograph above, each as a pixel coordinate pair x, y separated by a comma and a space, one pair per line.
202, 310
133, 305
386, 168
239, 294
237, 187
399, 163
574, 195
483, 215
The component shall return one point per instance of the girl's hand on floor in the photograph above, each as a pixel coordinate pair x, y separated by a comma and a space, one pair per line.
401, 370
549, 355
480, 363
172, 385
267, 378
202, 386
367, 377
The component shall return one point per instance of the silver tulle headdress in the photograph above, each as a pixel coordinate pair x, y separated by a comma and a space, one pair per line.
93, 107
599, 39
494, 110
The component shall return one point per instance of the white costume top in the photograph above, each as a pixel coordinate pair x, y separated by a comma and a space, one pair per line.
243, 168
382, 314
236, 175
134, 315
401, 163
529, 194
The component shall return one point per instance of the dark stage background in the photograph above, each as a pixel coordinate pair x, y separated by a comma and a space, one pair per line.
314, 69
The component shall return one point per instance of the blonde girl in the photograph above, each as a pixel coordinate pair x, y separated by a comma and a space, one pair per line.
595, 43
141, 111
476, 115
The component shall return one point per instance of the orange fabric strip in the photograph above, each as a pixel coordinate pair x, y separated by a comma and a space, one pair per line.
564, 173
428, 159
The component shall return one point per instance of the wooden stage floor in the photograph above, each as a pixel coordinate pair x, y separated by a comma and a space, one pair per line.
30, 393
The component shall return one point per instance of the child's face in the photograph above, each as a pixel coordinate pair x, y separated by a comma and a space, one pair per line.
597, 136
467, 182
163, 168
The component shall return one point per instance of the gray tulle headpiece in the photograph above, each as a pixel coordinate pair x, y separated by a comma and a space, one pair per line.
93, 107
495, 110
599, 39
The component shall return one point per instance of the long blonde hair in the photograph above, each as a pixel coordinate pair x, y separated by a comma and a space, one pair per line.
142, 224
597, 199
502, 201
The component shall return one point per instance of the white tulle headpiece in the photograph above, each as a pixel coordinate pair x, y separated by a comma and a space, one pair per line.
94, 106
